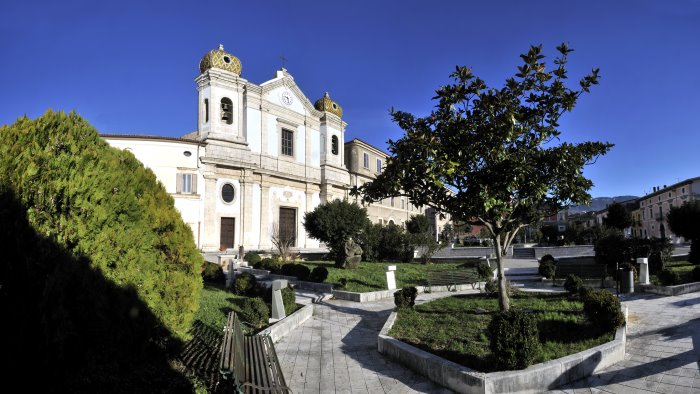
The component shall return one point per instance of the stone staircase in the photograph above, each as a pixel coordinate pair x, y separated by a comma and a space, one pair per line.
519, 276
524, 253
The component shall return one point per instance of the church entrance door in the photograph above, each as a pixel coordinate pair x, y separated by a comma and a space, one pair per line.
227, 238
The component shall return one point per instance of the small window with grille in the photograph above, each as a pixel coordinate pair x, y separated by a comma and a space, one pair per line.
287, 142
334, 145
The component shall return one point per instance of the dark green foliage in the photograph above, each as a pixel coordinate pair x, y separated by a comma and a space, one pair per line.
394, 244
252, 258
610, 249
547, 269
319, 274
447, 234
288, 269
685, 221
668, 277
695, 273
255, 312
484, 271
101, 203
603, 310
213, 273
418, 224
342, 283
547, 257
491, 287
573, 284
617, 217
369, 240
289, 299
244, 284
272, 265
334, 223
514, 339
406, 297
302, 272
549, 233
659, 254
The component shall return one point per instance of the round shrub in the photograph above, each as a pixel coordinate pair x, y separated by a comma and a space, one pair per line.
668, 277
213, 273
547, 257
289, 299
272, 265
547, 269
288, 269
319, 274
301, 271
252, 258
484, 271
603, 310
573, 284
514, 339
244, 284
255, 312
406, 297
491, 287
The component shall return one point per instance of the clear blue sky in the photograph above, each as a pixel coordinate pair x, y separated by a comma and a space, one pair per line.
129, 67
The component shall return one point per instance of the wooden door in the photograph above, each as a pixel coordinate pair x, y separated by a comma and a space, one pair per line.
288, 225
228, 231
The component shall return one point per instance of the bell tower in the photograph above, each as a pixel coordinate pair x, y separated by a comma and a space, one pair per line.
221, 97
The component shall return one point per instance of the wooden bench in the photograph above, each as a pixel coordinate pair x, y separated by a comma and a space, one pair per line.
451, 278
249, 364
583, 271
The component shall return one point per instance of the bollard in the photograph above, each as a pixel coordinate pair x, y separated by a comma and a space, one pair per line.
643, 270
277, 303
391, 277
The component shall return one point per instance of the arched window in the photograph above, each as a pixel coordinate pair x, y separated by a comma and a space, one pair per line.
226, 110
334, 145
206, 110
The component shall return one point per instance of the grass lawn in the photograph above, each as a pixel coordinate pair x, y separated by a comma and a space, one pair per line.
683, 268
455, 327
372, 276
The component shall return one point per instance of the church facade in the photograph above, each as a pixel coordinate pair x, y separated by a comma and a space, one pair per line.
262, 156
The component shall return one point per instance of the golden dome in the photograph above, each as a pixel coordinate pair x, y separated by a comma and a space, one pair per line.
326, 104
218, 58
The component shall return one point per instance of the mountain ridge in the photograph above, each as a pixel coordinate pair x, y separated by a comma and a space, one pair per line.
599, 203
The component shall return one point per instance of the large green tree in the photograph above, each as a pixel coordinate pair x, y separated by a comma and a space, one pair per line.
617, 217
685, 221
334, 223
493, 156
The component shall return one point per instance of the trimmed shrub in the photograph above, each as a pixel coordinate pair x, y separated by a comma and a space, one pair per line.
244, 284
319, 274
514, 339
255, 312
573, 284
547, 257
272, 265
302, 272
603, 310
484, 271
252, 258
213, 273
406, 297
696, 274
288, 269
289, 299
668, 277
547, 269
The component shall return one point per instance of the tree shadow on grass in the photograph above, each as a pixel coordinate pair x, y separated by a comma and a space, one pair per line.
67, 328
201, 354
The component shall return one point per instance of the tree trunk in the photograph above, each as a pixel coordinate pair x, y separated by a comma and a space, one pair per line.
503, 301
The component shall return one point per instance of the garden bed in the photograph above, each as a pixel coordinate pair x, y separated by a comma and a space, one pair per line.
684, 270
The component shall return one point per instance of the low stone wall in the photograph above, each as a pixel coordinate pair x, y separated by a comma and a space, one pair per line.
467, 251
283, 327
382, 294
564, 251
323, 287
671, 290
535, 379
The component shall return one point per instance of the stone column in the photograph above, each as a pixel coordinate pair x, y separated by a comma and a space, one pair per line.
210, 236
246, 213
643, 270
264, 216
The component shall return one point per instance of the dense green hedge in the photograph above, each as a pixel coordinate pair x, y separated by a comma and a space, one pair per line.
100, 202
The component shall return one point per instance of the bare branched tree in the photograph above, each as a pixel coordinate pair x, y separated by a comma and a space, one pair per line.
283, 239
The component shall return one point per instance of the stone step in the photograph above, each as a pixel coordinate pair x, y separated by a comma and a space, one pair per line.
524, 278
523, 253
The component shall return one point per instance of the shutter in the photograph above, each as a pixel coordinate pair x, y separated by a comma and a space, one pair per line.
178, 183
194, 183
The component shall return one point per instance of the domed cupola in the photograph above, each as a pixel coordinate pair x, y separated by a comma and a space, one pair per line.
218, 58
327, 105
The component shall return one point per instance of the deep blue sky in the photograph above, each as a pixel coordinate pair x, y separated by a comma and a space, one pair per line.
129, 67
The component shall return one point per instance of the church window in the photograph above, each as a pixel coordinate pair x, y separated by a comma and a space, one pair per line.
228, 193
186, 183
334, 145
365, 162
287, 142
206, 110
226, 110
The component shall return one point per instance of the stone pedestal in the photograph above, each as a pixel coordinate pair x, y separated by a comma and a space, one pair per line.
277, 303
643, 270
390, 277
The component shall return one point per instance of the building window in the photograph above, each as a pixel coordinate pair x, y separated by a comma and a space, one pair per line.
226, 110
403, 204
334, 145
206, 110
228, 193
287, 142
379, 166
186, 183
365, 160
